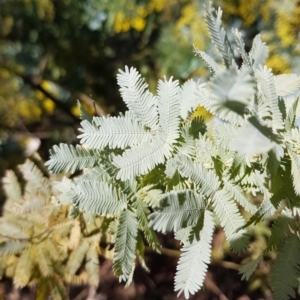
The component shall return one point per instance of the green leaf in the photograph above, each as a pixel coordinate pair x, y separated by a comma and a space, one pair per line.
197, 127
286, 269
12, 246
250, 141
280, 231
291, 115
248, 268
142, 213
84, 115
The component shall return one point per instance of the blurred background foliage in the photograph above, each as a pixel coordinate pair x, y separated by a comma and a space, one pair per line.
55, 52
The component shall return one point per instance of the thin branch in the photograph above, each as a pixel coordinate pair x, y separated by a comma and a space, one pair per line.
88, 101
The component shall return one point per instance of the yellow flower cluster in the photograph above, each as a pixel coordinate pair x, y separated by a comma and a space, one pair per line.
124, 23
278, 63
190, 27
248, 11
135, 16
32, 110
48, 104
28, 109
287, 24
281, 16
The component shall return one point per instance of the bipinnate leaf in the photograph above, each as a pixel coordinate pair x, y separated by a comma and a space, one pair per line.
24, 268
124, 254
230, 92
37, 183
189, 101
248, 268
291, 115
258, 53
152, 197
249, 141
114, 132
141, 159
231, 220
241, 47
42, 259
266, 85
168, 93
142, 212
93, 265
139, 100
232, 86
177, 210
218, 34
212, 65
12, 189
237, 194
280, 231
76, 257
206, 179
287, 84
99, 198
224, 133
12, 246
295, 170
56, 288
195, 257
286, 269
64, 191
68, 158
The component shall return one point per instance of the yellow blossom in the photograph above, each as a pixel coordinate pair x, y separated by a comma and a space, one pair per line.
48, 105
278, 64
75, 111
138, 23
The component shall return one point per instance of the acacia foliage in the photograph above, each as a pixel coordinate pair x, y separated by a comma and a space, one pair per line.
39, 244
202, 172
157, 168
